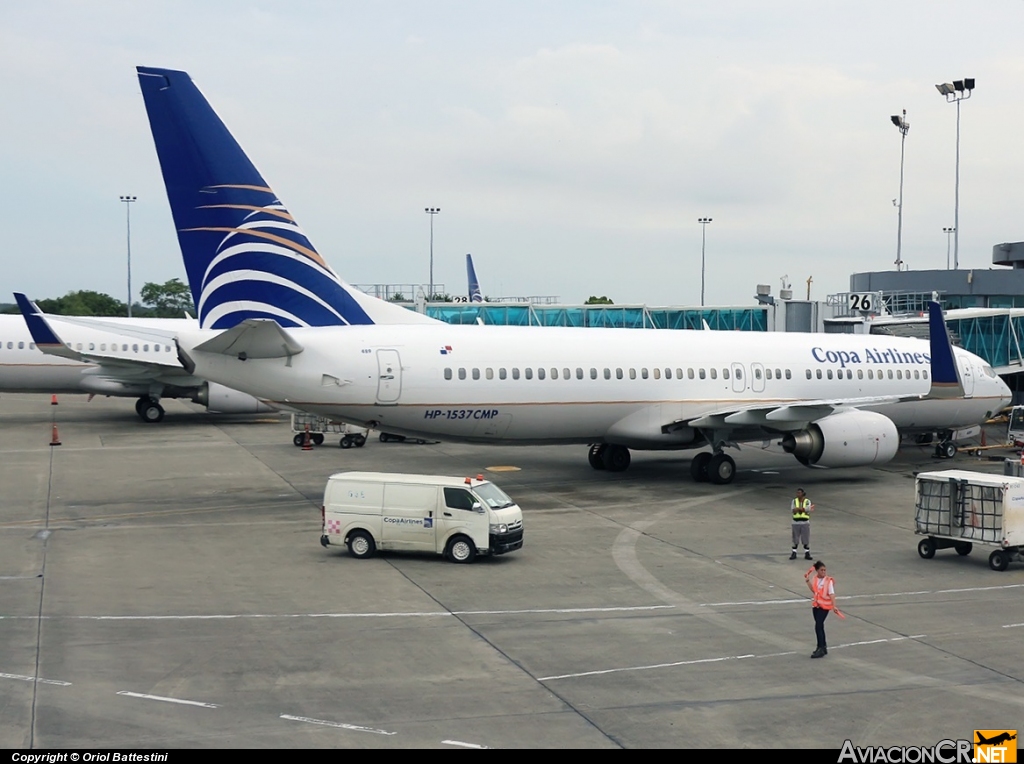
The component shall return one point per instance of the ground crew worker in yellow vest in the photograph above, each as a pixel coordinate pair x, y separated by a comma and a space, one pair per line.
823, 600
802, 509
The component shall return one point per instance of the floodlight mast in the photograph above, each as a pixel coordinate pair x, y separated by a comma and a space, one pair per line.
955, 92
904, 128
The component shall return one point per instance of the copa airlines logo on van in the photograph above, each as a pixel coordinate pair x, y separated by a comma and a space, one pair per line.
943, 752
870, 355
403, 520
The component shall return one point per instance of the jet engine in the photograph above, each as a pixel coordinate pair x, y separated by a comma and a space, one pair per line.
847, 439
224, 400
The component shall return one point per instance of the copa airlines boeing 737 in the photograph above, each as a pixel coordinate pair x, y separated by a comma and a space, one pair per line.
136, 373
278, 323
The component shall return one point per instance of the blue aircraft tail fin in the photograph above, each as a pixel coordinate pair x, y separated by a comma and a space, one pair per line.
474, 285
245, 255
946, 381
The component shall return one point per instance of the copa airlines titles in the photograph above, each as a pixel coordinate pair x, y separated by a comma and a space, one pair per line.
870, 355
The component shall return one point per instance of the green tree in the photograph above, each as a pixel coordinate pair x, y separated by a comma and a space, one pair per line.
602, 300
84, 302
172, 299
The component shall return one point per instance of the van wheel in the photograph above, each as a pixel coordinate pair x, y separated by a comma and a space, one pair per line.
461, 549
360, 545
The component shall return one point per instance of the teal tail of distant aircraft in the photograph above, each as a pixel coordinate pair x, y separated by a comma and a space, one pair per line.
474, 285
245, 255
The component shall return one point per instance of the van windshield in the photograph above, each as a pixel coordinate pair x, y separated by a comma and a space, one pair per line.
493, 496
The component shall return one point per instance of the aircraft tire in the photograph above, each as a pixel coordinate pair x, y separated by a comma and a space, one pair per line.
461, 550
699, 467
594, 456
616, 458
948, 449
361, 545
721, 469
151, 411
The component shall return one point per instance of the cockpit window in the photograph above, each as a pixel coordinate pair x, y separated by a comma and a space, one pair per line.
988, 371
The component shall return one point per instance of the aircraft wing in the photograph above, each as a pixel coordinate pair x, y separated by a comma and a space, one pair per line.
782, 415
253, 338
118, 361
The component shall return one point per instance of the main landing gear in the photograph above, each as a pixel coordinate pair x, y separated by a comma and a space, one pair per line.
149, 409
718, 468
608, 456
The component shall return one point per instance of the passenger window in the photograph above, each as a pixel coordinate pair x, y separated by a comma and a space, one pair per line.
32, 345
808, 373
725, 373
103, 346
789, 374
124, 348
899, 374
476, 373
757, 373
579, 373
618, 373
890, 373
714, 373
829, 373
849, 373
554, 373
632, 373
515, 373
668, 373
528, 373
817, 373
77, 347
462, 373
860, 373
458, 498
540, 373
917, 374
593, 373
448, 373
657, 373
924, 374
701, 374
145, 348
607, 373
501, 373
739, 374
566, 374
489, 372
689, 374
643, 373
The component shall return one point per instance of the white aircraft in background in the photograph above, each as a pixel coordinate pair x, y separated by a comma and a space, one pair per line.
278, 323
140, 371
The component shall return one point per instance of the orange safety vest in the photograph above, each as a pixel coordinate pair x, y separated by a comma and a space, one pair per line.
822, 598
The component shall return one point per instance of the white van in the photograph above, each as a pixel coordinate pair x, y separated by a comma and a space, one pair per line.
457, 517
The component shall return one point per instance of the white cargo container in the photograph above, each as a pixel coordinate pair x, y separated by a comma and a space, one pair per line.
959, 509
457, 517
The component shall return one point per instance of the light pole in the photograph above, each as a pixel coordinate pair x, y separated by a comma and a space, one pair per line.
955, 92
947, 231
128, 223
703, 238
904, 128
431, 211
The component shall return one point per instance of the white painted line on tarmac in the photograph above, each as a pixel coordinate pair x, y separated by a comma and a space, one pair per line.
880, 641
167, 700
35, 679
720, 659
1012, 625
465, 745
340, 725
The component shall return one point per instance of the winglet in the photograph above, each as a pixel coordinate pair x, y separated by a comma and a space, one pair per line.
945, 377
42, 333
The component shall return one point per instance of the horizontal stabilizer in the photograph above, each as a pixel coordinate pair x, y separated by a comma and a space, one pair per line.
253, 338
946, 381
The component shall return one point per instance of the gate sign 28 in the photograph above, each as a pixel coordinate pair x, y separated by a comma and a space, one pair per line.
862, 302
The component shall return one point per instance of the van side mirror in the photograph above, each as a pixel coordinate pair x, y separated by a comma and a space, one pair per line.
478, 507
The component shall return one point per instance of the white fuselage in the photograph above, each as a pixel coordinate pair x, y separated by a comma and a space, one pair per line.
535, 385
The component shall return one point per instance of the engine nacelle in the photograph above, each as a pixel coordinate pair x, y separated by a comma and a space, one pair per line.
847, 439
224, 400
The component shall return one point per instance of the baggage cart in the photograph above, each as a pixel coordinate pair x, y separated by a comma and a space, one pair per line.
320, 426
957, 509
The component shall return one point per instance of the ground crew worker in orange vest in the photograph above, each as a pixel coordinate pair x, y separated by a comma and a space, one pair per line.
823, 600
801, 527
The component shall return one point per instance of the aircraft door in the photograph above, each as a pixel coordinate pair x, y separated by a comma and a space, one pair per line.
757, 377
739, 378
389, 379
967, 377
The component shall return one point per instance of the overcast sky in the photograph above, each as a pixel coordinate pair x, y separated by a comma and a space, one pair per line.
571, 146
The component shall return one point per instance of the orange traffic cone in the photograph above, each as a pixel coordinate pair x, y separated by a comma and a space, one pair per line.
307, 443
55, 440
53, 400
